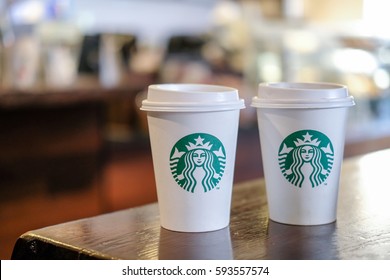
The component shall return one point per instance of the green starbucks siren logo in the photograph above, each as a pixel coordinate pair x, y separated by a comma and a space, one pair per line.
198, 160
306, 158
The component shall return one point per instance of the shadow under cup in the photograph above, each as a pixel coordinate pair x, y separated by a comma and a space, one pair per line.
302, 132
215, 245
193, 134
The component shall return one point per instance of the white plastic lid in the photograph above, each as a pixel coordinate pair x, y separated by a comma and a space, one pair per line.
302, 95
191, 98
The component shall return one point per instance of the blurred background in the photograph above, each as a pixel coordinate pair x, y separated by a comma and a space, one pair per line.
73, 142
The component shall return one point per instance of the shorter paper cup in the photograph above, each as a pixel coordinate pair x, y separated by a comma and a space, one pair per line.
302, 131
193, 135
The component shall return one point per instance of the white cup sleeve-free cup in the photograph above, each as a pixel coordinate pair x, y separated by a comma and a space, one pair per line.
302, 131
193, 134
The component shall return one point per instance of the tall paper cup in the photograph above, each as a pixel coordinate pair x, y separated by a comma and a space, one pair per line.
193, 135
302, 132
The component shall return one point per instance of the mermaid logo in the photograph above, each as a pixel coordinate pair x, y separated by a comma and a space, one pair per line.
198, 160
306, 158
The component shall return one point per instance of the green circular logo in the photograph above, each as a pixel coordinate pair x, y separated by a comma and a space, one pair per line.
306, 157
196, 160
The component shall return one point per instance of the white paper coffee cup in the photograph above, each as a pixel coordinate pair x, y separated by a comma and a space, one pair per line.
193, 135
302, 132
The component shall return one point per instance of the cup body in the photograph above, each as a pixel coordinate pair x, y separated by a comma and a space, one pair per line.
193, 152
302, 144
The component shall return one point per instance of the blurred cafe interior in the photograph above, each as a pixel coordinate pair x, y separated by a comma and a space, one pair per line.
73, 142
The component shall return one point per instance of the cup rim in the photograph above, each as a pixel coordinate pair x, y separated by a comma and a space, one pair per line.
183, 97
302, 95
191, 88
301, 86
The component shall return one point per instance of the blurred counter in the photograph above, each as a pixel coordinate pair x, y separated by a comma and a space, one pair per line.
58, 135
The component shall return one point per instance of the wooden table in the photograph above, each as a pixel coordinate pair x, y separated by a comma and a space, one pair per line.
362, 230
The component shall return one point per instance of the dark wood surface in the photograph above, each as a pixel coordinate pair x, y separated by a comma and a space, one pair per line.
362, 229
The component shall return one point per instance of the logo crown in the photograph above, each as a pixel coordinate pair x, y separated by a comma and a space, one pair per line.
307, 141
199, 144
